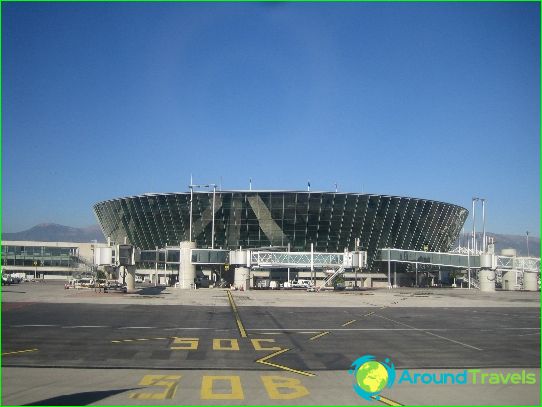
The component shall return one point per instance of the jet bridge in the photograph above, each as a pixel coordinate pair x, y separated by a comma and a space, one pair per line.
528, 268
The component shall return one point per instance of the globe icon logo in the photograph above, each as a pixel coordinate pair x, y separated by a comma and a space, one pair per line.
372, 376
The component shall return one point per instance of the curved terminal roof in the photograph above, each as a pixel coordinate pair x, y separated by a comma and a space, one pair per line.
332, 221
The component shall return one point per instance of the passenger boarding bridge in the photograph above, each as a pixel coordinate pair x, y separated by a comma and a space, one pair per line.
483, 268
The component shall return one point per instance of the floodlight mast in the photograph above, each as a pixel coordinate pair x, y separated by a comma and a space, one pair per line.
192, 186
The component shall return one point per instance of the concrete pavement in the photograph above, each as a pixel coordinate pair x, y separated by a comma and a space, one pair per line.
150, 350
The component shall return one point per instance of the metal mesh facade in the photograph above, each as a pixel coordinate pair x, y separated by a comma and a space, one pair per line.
332, 221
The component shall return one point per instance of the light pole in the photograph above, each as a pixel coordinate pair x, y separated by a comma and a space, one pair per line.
190, 226
213, 226
191, 206
474, 199
528, 255
483, 224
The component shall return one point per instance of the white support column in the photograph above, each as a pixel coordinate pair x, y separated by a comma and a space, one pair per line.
241, 278
312, 265
188, 270
130, 278
389, 269
288, 261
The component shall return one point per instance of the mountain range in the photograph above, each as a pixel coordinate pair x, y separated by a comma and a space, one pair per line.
503, 241
52, 232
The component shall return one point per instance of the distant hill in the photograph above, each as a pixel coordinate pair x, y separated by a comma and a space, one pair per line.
52, 232
518, 242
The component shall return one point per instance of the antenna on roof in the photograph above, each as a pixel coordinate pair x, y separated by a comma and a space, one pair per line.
335, 187
308, 186
250, 184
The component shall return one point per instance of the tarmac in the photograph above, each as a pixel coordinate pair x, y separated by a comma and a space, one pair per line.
43, 291
167, 346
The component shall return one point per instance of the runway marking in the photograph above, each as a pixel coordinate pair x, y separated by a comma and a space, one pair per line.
264, 361
349, 322
191, 328
242, 330
532, 333
430, 333
140, 339
85, 326
302, 330
387, 401
32, 325
19, 351
318, 336
168, 383
137, 327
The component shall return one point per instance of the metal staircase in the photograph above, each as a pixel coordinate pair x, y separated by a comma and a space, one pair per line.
332, 277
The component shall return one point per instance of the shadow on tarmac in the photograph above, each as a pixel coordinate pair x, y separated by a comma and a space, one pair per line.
78, 399
151, 291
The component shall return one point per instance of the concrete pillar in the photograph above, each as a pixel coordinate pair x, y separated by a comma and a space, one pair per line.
509, 280
121, 278
487, 280
486, 275
187, 272
241, 278
530, 281
130, 278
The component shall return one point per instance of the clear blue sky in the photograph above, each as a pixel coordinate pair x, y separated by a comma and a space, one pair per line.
438, 101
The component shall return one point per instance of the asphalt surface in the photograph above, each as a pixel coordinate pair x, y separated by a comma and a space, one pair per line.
87, 336
322, 342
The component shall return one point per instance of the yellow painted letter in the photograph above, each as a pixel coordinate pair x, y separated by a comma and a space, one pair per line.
283, 388
233, 344
257, 343
168, 382
185, 343
235, 392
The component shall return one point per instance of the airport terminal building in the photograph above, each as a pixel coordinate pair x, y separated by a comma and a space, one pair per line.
331, 221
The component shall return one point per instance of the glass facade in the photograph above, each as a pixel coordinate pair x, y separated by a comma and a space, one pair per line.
46, 256
253, 219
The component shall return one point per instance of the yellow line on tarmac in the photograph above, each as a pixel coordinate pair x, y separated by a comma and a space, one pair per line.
319, 335
140, 339
19, 351
264, 361
237, 318
348, 323
387, 401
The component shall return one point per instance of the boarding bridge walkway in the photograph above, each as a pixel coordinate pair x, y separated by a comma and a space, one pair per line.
459, 260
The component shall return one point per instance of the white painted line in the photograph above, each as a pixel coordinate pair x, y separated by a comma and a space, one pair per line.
302, 330
32, 325
430, 333
137, 327
270, 333
532, 333
85, 326
181, 328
